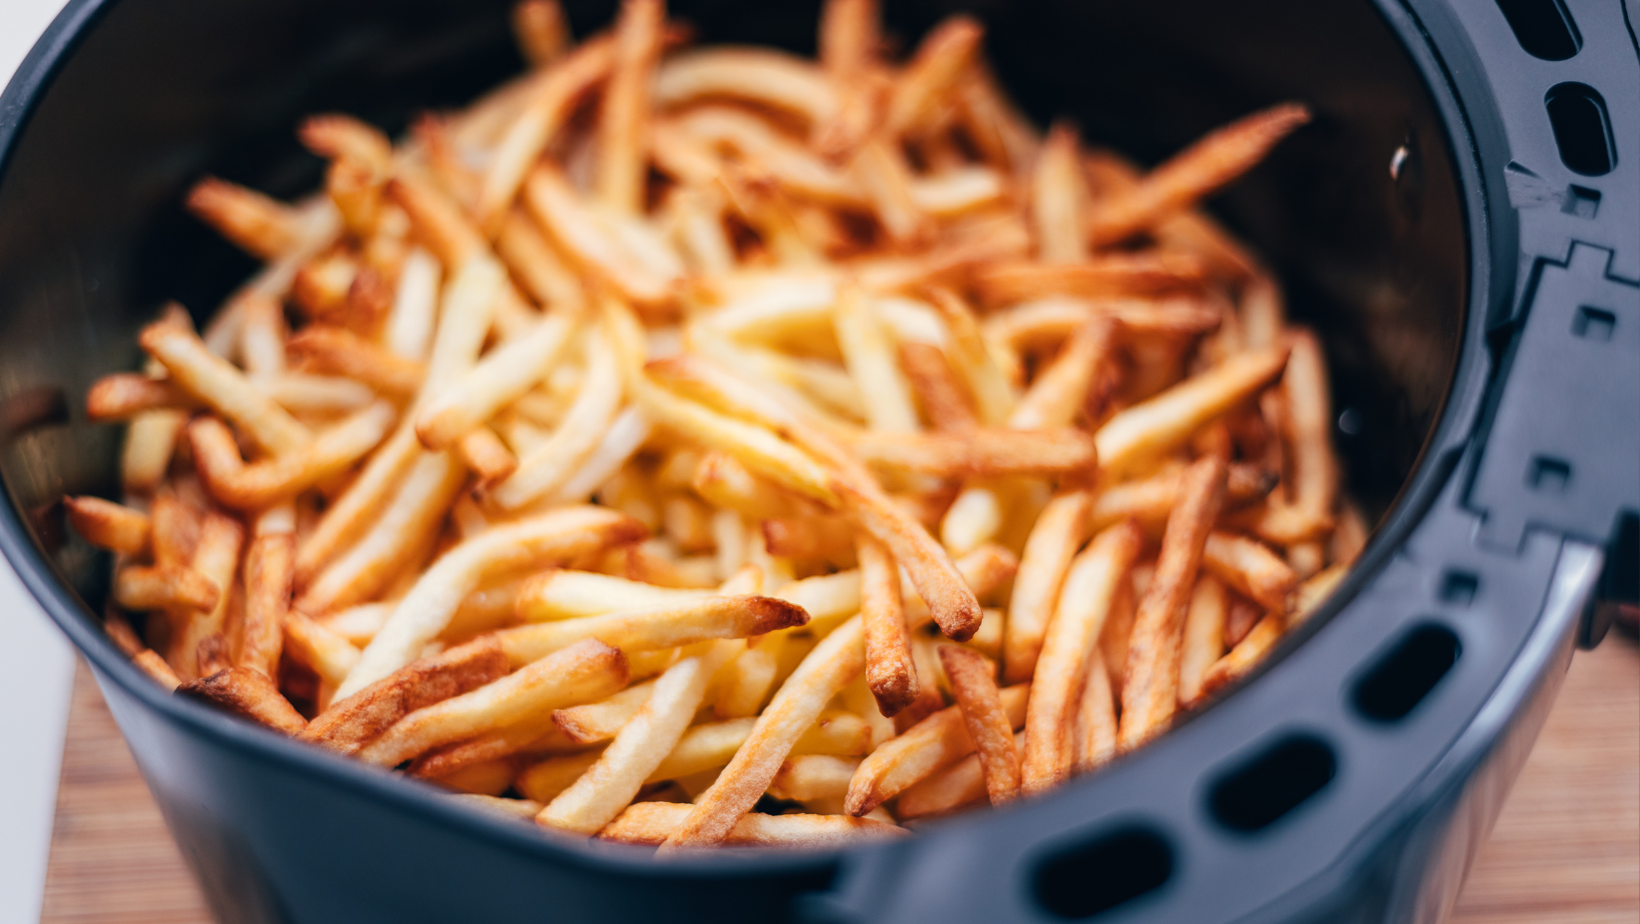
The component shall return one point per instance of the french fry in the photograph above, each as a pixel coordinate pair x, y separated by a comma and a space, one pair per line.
408, 519
408, 330
541, 30
499, 378
641, 745
650, 823
756, 75
483, 453
621, 175
981, 453
1053, 542
1095, 727
338, 350
1203, 641
889, 671
593, 723
1149, 500
932, 75
828, 537
545, 469
1151, 427
156, 587
1198, 171
1029, 324
1060, 391
233, 483
1059, 198
712, 617
807, 777
248, 694
562, 594
827, 669
1089, 592
427, 609
1151, 680
974, 685
723, 481
581, 672
216, 383
589, 241
108, 525
1115, 275
504, 807
150, 441
881, 170
938, 392
958, 191
127, 395
958, 786
309, 642
994, 395
1315, 472
260, 226
869, 355
934, 743
150, 663
1250, 568
1314, 591
269, 570
1240, 660
216, 558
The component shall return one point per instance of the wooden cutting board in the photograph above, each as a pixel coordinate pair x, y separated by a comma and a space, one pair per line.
1566, 848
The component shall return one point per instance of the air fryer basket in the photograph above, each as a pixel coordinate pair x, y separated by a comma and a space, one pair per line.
1459, 224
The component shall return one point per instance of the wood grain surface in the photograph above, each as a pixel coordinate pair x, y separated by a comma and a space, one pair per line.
1566, 848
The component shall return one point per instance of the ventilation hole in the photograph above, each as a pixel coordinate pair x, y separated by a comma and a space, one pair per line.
1458, 588
1583, 132
1544, 28
1580, 202
1095, 876
1594, 323
1549, 475
1401, 679
1280, 778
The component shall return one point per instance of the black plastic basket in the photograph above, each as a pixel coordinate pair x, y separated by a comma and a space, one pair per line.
1460, 225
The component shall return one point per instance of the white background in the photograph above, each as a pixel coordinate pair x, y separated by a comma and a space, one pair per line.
36, 662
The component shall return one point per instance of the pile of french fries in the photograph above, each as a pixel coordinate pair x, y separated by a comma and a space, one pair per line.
706, 446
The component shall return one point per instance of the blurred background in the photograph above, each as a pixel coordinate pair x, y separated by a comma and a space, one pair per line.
80, 840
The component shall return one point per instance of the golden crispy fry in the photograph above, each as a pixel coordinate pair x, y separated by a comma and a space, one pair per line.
1315, 590
960, 785
261, 226
1198, 171
880, 169
216, 383
126, 395
309, 642
642, 745
756, 75
1095, 728
994, 395
1029, 324
807, 777
499, 378
826, 537
938, 392
1152, 427
724, 482
659, 823
827, 669
932, 74
958, 191
869, 355
248, 694
150, 663
260, 484
711, 617
593, 723
150, 441
622, 172
981, 453
486, 456
1314, 483
144, 587
1149, 500
545, 468
1151, 681
269, 569
934, 743
1203, 639
335, 349
408, 330
889, 671
591, 242
340, 136
1250, 568
767, 152
108, 525
1090, 590
1061, 390
1117, 275
427, 609
569, 594
1048, 552
581, 672
406, 522
215, 558
541, 30
974, 686
1247, 654
1059, 198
